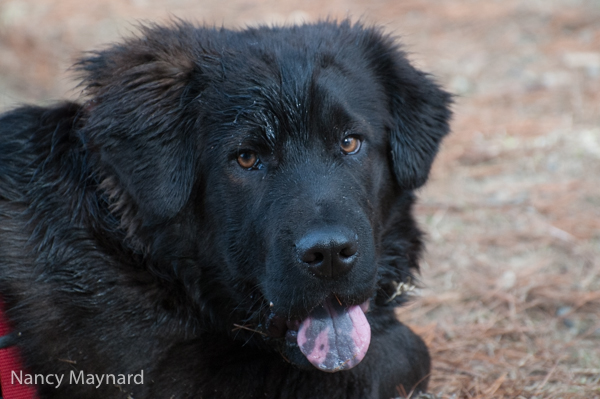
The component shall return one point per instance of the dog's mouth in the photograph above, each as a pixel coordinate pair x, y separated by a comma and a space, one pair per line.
333, 337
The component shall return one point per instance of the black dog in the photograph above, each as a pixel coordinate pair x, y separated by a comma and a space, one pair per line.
227, 216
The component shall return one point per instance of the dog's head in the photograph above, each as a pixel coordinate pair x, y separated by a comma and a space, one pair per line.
279, 162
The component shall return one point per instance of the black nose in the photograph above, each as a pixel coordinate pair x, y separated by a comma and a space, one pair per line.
328, 253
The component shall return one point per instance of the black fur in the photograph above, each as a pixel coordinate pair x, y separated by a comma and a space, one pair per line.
131, 239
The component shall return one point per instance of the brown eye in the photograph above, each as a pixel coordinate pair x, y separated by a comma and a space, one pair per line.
350, 145
247, 159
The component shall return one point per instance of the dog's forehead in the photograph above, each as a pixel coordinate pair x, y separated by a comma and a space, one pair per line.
293, 92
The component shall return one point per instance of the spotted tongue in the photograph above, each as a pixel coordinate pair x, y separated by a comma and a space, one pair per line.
334, 337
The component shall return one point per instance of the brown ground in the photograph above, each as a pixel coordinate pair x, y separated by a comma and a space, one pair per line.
510, 304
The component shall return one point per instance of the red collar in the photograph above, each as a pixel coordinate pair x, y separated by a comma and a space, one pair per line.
10, 361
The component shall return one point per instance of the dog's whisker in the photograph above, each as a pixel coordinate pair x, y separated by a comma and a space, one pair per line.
338, 299
240, 327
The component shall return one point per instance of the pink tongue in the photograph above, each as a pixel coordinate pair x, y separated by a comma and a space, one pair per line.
334, 337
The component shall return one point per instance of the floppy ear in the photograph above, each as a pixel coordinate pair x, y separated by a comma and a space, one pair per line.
419, 109
141, 119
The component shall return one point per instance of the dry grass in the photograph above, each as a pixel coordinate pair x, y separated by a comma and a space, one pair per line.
511, 300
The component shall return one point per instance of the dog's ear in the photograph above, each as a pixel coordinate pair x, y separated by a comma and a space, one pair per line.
141, 116
419, 110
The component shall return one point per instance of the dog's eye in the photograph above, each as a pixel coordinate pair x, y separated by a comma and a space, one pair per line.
350, 145
248, 160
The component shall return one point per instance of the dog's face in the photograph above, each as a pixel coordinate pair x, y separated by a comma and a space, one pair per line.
283, 160
299, 182
300, 185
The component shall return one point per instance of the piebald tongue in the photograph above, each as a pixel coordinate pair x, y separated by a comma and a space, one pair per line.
334, 337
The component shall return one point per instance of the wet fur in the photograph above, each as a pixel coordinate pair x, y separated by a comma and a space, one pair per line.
130, 239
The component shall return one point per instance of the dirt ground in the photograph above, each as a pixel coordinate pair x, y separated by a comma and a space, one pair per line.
510, 297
